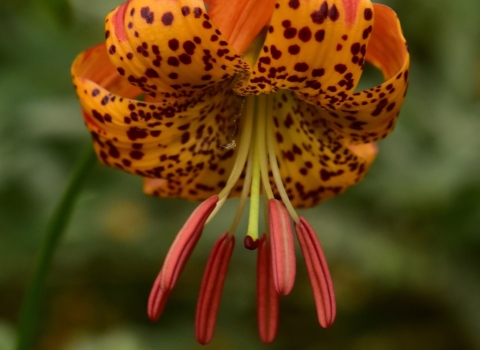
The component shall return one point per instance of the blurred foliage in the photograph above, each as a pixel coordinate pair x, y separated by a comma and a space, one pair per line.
403, 246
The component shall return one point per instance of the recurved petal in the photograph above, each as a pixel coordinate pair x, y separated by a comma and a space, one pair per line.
169, 49
211, 289
182, 142
240, 20
315, 162
318, 272
370, 115
268, 300
315, 48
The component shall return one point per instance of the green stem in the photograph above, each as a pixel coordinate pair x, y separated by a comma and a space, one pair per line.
54, 232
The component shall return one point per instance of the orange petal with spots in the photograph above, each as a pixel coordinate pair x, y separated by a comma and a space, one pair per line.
169, 49
370, 115
315, 161
179, 141
240, 21
315, 48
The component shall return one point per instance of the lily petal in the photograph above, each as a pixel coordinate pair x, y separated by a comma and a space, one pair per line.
282, 247
181, 142
268, 300
211, 289
318, 272
239, 20
370, 115
170, 49
315, 161
315, 48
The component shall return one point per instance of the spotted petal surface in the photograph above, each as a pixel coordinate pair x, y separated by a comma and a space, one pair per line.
315, 48
370, 115
179, 142
315, 163
169, 48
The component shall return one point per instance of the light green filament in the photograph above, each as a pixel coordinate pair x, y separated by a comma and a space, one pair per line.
255, 192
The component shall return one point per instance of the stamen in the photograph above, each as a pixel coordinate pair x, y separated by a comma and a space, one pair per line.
283, 248
252, 230
243, 149
318, 272
261, 144
274, 166
211, 289
267, 297
244, 196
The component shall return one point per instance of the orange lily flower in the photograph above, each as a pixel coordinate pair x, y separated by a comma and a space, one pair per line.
244, 98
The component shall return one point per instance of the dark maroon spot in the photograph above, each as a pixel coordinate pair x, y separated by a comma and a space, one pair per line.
286, 23
294, 4
325, 175
147, 15
95, 92
293, 49
173, 44
333, 14
301, 67
167, 18
305, 34
185, 137
318, 17
151, 73
355, 49
379, 107
173, 75
290, 33
320, 35
207, 25
189, 47
136, 155
185, 59
206, 77
185, 10
368, 14
173, 61
276, 54
340, 68
112, 49
197, 11
129, 55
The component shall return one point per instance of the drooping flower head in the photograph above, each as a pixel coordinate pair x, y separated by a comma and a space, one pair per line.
244, 98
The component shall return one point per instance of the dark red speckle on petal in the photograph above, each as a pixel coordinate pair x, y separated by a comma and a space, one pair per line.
147, 15
167, 18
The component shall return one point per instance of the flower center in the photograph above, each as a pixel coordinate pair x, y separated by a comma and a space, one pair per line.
256, 158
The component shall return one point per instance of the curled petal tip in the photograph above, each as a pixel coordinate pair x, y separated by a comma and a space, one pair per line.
282, 247
184, 243
250, 243
268, 300
318, 272
211, 289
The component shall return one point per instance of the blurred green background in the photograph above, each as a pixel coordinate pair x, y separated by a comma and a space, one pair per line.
403, 246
